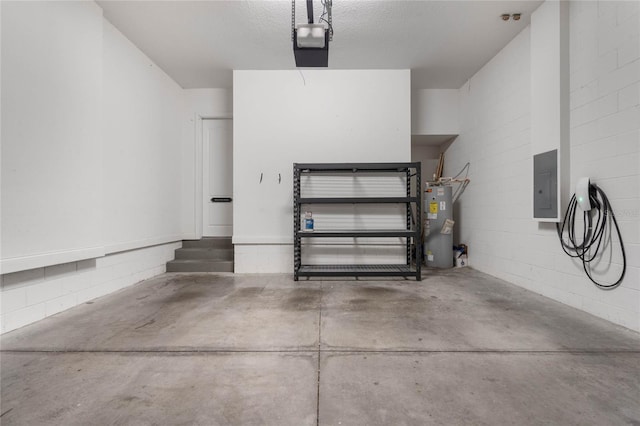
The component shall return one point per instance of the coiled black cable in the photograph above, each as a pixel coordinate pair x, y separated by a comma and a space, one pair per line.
593, 233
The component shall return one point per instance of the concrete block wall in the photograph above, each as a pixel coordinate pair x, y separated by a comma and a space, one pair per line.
34, 294
494, 214
111, 116
605, 134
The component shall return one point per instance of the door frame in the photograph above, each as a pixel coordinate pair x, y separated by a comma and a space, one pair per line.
198, 166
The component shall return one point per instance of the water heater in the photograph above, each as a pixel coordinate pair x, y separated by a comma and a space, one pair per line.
438, 242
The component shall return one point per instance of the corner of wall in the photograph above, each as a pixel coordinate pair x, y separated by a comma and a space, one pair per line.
604, 135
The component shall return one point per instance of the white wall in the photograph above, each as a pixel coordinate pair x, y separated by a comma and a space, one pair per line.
550, 91
142, 146
282, 117
435, 112
549, 52
429, 156
493, 215
198, 104
605, 139
95, 153
51, 135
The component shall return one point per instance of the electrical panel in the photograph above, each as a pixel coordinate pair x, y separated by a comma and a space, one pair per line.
545, 185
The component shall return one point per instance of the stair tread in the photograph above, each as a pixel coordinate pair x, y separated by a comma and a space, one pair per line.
190, 265
208, 243
210, 254
195, 249
205, 249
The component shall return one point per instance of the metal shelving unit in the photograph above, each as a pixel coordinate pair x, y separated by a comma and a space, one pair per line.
411, 233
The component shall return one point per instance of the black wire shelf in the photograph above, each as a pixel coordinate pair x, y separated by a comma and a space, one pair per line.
356, 270
356, 200
358, 233
355, 167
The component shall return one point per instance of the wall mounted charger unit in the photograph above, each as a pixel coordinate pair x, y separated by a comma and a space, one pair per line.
582, 194
592, 236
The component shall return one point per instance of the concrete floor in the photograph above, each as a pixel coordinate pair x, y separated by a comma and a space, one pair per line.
458, 348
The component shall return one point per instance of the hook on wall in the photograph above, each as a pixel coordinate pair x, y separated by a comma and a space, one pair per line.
261, 174
279, 178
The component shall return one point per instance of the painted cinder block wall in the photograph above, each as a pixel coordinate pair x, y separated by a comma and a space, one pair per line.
97, 201
494, 214
31, 295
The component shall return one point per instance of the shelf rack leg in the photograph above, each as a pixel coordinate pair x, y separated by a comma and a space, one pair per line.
296, 223
409, 207
418, 241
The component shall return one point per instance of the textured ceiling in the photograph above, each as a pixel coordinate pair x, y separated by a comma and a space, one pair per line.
199, 43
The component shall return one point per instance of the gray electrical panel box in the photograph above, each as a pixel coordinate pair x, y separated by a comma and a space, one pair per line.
545, 185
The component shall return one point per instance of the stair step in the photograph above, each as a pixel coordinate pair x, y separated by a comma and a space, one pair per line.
210, 242
205, 253
199, 265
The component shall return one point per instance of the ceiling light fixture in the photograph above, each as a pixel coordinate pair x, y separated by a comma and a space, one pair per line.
505, 16
311, 40
516, 16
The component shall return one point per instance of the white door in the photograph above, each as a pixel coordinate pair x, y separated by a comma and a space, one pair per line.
217, 170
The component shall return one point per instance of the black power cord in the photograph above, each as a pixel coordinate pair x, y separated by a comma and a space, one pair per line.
593, 232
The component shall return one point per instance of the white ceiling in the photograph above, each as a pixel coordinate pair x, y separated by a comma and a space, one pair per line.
199, 43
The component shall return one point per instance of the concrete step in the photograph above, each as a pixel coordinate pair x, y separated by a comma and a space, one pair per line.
209, 242
199, 265
205, 253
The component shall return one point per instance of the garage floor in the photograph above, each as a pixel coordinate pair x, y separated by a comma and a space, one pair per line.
460, 347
